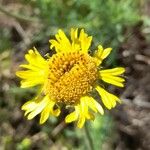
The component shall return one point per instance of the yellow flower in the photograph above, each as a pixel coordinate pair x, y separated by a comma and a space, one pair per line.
68, 78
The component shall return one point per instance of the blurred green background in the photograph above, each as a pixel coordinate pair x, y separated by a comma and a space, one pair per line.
28, 23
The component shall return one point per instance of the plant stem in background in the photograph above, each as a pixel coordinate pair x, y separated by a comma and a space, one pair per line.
17, 16
88, 137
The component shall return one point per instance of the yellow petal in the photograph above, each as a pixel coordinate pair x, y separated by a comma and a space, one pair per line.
29, 67
34, 107
112, 76
76, 43
90, 116
37, 70
63, 36
74, 34
107, 98
81, 122
62, 43
95, 106
117, 81
83, 110
32, 104
34, 58
44, 114
101, 54
56, 112
87, 102
29, 83
27, 74
46, 111
85, 41
49, 110
71, 117
98, 107
115, 71
55, 44
106, 52
38, 109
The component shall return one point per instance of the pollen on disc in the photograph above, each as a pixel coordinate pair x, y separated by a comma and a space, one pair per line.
71, 76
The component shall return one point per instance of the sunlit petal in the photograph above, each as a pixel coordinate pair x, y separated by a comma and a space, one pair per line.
107, 98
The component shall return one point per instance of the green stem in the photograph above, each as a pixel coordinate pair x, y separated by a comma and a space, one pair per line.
88, 137
17, 16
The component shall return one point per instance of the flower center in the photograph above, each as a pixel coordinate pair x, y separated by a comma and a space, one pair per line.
71, 75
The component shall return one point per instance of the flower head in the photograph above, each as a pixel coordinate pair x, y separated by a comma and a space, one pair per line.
68, 78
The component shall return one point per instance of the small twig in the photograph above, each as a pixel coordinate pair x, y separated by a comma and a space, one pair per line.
17, 16
58, 129
22, 33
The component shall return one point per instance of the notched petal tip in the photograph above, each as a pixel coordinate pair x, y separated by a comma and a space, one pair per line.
101, 53
121, 70
108, 99
113, 76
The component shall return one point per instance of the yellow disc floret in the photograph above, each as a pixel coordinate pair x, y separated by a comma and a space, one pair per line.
71, 75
